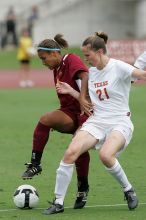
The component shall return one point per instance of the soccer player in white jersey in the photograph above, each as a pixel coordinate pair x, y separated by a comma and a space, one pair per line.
109, 128
141, 61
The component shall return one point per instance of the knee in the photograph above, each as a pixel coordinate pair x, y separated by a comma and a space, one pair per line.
44, 119
105, 157
70, 156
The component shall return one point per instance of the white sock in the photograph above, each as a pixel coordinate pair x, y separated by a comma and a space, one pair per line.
63, 178
118, 173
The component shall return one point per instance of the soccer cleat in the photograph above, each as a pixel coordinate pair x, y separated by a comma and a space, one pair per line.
54, 209
131, 198
81, 199
31, 171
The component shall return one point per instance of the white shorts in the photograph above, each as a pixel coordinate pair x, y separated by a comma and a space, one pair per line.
101, 129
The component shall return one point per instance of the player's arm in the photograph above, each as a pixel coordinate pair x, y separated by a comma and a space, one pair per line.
139, 74
65, 88
140, 62
86, 105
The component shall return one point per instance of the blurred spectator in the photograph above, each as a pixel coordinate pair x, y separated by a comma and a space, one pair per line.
34, 15
24, 57
10, 28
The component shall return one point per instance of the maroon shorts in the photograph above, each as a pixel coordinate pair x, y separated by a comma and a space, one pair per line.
82, 119
76, 117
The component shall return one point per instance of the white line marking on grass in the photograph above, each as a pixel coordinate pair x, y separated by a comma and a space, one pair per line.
7, 210
69, 207
112, 205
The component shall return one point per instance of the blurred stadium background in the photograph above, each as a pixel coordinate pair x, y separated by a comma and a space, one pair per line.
122, 19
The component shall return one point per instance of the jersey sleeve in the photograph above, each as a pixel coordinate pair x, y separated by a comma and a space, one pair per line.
76, 64
125, 70
140, 62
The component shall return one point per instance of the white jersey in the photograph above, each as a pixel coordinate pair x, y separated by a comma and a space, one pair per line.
141, 61
109, 89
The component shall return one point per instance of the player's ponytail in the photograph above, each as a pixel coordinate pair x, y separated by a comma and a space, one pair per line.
102, 35
61, 41
50, 45
96, 42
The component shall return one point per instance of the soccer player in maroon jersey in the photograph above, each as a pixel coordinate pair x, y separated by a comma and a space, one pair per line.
69, 69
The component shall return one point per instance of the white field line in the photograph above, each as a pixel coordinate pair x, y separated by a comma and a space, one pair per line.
68, 207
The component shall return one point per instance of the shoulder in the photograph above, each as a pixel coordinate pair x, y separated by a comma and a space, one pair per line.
121, 64
124, 70
117, 62
75, 60
73, 57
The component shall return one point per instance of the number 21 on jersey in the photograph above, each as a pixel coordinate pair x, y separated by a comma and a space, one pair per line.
102, 94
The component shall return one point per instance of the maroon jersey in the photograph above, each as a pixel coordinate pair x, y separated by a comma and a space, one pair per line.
67, 72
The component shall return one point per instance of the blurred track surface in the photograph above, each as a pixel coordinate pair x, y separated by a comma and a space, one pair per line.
41, 78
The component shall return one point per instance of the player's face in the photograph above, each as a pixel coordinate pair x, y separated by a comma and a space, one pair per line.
49, 59
92, 57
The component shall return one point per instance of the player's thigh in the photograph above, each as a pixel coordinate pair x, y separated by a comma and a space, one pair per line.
82, 142
113, 144
58, 120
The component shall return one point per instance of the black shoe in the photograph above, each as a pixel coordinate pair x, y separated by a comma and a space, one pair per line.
31, 171
131, 198
54, 209
81, 199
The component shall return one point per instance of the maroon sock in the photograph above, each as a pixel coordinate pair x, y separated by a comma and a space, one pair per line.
82, 164
40, 137
82, 169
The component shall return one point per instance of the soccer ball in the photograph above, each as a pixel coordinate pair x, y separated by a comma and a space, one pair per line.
26, 196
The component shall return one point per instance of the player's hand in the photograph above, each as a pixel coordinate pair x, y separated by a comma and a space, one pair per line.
63, 88
86, 106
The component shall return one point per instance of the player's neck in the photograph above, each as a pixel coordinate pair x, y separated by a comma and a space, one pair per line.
103, 62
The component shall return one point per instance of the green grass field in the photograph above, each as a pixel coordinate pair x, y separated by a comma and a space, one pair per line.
19, 113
